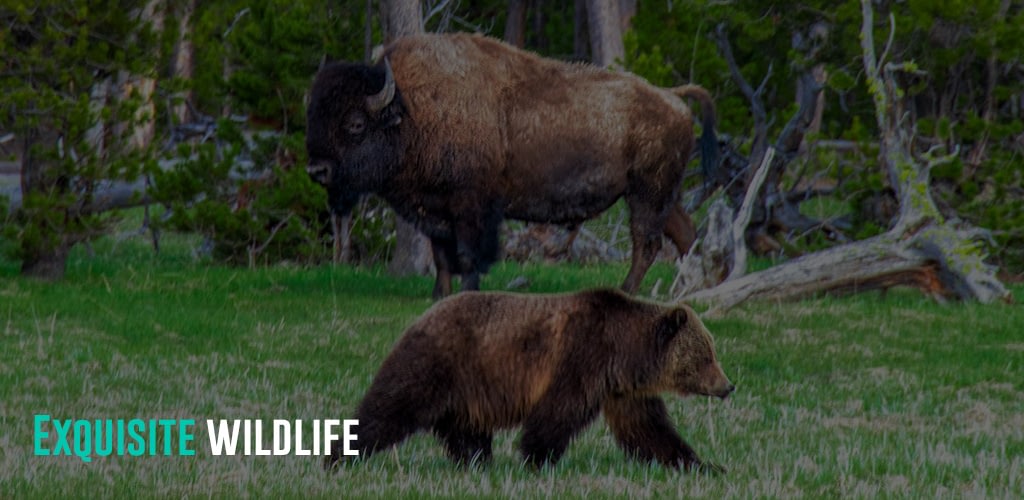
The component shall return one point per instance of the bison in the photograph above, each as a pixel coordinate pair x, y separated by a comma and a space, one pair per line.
458, 132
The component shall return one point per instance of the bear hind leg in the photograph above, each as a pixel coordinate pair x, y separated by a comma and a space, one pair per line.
643, 430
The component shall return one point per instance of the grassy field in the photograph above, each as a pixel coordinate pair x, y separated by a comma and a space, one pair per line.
866, 396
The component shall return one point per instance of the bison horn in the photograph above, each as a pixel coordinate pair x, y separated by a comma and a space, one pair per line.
378, 101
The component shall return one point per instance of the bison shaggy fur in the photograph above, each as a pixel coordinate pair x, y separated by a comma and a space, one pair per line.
458, 132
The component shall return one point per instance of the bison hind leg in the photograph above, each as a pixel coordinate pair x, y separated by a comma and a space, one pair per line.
646, 225
680, 229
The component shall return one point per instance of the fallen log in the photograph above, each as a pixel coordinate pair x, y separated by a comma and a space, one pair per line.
882, 262
941, 257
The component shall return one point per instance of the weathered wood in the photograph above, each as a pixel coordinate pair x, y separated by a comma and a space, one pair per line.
412, 255
113, 195
10, 168
739, 226
110, 195
605, 23
939, 257
882, 262
699, 270
341, 231
515, 23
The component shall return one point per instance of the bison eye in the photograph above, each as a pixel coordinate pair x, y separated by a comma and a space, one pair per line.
355, 124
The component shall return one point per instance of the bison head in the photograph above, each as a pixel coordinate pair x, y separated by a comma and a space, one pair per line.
352, 133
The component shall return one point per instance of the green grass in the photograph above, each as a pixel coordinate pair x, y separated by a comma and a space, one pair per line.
864, 396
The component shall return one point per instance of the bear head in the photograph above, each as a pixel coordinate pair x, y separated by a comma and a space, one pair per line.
690, 365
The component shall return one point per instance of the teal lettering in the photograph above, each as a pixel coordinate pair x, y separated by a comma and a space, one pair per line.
120, 437
138, 447
61, 427
39, 434
104, 429
83, 440
184, 436
167, 425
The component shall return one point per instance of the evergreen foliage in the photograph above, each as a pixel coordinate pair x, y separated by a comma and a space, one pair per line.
67, 70
247, 192
950, 42
254, 62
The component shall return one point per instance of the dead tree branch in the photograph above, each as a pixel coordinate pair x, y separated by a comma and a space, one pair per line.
923, 250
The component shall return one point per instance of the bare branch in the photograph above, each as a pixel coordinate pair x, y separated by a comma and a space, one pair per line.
867, 40
739, 226
722, 40
933, 159
234, 21
767, 75
888, 43
255, 251
756, 105
435, 10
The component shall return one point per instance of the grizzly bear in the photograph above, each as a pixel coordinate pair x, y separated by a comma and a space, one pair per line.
478, 362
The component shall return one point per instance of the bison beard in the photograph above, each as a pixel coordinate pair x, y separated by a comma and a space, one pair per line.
458, 132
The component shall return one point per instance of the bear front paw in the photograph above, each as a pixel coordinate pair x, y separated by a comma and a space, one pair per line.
700, 466
709, 468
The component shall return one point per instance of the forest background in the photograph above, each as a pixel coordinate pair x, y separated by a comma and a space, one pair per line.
197, 111
157, 149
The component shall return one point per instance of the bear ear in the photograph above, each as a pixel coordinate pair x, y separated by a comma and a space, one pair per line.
669, 325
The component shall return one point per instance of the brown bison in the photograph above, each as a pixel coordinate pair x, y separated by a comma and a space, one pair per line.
458, 132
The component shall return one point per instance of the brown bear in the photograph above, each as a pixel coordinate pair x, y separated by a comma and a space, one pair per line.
478, 362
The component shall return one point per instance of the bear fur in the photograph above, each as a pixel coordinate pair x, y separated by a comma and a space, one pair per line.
479, 362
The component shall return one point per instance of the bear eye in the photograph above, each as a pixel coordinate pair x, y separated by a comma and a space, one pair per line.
355, 124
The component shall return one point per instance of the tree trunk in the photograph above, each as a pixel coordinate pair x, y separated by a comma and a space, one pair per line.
412, 249
44, 256
540, 41
181, 61
400, 18
605, 23
46, 264
515, 24
627, 9
774, 212
922, 250
144, 128
67, 163
580, 39
368, 32
95, 137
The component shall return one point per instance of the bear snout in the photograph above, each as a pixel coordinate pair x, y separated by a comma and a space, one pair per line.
729, 388
720, 386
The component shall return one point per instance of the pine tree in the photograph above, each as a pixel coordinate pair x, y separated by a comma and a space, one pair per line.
68, 68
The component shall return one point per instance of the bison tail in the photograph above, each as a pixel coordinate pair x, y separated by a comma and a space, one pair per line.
708, 141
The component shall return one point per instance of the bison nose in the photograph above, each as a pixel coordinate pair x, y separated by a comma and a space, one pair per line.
320, 172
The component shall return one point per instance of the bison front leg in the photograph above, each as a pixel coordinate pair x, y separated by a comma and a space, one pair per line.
445, 262
477, 248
